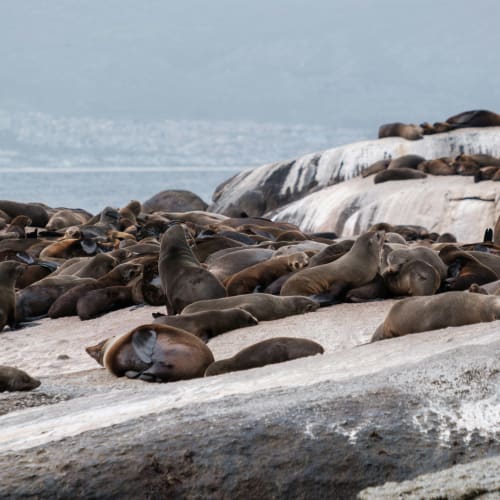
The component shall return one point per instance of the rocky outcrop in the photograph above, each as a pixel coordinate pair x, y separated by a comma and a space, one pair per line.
321, 427
442, 204
286, 181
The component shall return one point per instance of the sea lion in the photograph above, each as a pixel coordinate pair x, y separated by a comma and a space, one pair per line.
16, 227
264, 273
9, 271
12, 379
410, 131
183, 279
406, 161
376, 167
263, 306
67, 217
397, 258
267, 352
208, 324
474, 118
154, 353
398, 174
103, 300
331, 252
420, 314
356, 268
208, 245
36, 212
34, 272
439, 166
375, 290
66, 304
414, 277
235, 261
35, 300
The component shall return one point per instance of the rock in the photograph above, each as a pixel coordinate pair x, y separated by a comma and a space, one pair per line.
287, 181
476, 479
319, 427
174, 200
452, 204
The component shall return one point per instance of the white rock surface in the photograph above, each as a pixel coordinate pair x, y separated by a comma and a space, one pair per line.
439, 203
286, 181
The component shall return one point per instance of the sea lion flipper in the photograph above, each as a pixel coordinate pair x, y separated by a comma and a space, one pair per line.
143, 343
488, 235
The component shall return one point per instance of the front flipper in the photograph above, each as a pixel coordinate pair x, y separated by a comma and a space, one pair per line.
143, 344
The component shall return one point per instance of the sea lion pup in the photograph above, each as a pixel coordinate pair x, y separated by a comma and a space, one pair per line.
398, 174
183, 279
328, 281
17, 227
414, 277
154, 353
474, 118
103, 300
35, 300
12, 379
492, 288
65, 305
66, 218
264, 273
410, 131
267, 352
406, 161
208, 324
376, 167
10, 270
397, 258
263, 306
420, 314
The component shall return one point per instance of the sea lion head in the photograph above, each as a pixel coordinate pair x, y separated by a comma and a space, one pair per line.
298, 261
13, 379
97, 351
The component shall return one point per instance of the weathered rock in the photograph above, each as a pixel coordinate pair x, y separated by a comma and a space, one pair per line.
442, 204
287, 181
480, 478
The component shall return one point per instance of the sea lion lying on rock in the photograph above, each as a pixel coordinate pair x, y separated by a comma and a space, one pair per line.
12, 379
420, 314
276, 350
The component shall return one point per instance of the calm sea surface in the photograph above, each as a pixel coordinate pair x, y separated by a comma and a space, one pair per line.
94, 188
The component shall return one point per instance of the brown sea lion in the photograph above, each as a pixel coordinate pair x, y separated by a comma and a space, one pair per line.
9, 271
34, 272
474, 118
439, 166
464, 269
375, 290
103, 300
154, 353
414, 277
406, 161
356, 268
488, 259
410, 131
67, 217
376, 167
35, 300
12, 379
420, 314
397, 258
235, 261
17, 227
207, 246
183, 279
267, 352
264, 273
330, 253
36, 212
263, 306
486, 173
65, 305
208, 324
398, 174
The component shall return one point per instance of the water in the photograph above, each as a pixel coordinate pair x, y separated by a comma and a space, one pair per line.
93, 189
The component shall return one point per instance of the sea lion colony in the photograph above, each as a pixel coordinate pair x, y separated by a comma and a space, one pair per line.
215, 273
